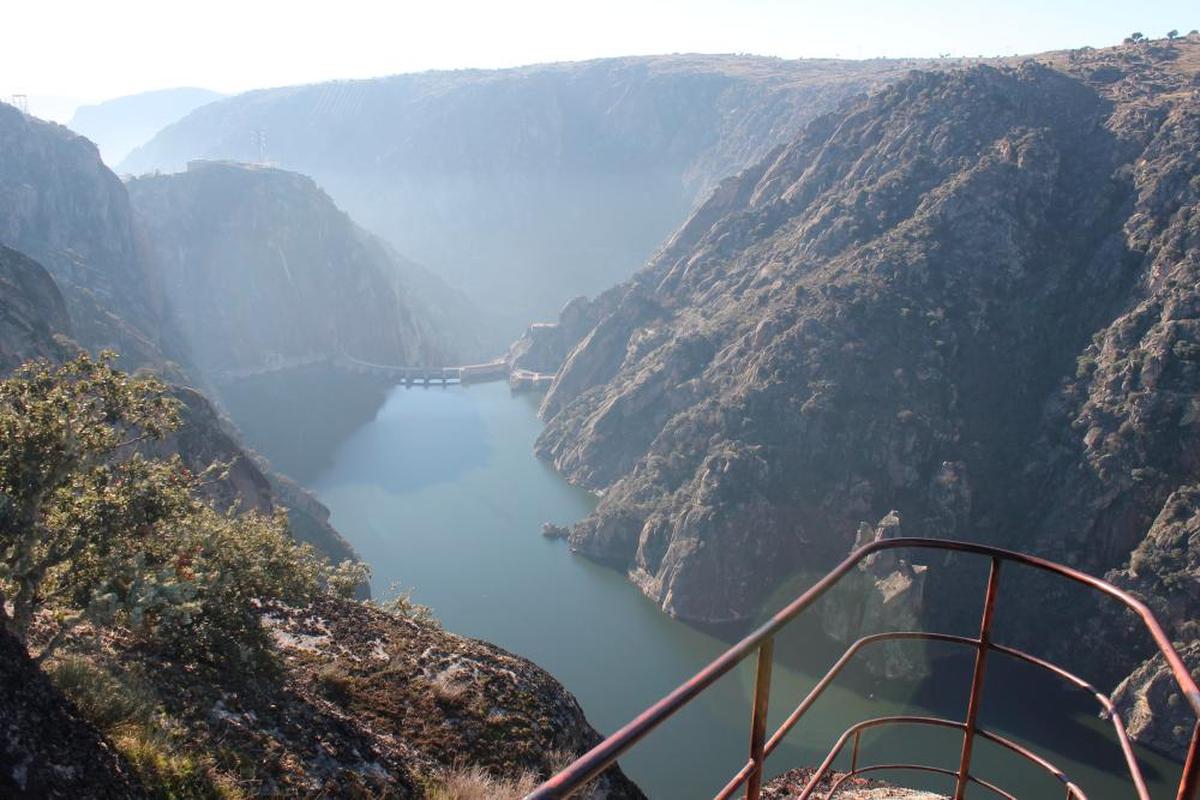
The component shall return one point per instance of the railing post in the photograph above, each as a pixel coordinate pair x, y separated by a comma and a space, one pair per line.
758, 719
1189, 781
981, 654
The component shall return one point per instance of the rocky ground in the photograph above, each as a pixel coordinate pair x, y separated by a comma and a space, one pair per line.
47, 750
789, 785
360, 703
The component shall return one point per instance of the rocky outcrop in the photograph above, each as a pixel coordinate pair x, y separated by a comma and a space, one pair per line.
971, 297
32, 311
789, 785
1163, 572
46, 749
885, 593
525, 187
365, 703
1154, 712
1164, 569
545, 345
260, 268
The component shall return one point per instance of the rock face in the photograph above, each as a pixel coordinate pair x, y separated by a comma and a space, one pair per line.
885, 593
971, 297
98, 290
1164, 572
260, 268
32, 311
46, 749
1150, 704
545, 345
524, 187
62, 207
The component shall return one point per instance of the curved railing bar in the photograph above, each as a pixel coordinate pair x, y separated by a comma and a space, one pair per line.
857, 728
1029, 755
854, 730
736, 782
920, 768
821, 685
818, 689
1135, 770
600, 757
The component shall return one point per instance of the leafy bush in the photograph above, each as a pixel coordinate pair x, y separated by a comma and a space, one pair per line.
92, 530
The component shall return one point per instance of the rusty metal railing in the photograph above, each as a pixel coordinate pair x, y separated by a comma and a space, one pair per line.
761, 641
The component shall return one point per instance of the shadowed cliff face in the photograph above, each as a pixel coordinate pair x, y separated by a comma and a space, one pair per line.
258, 266
62, 207
529, 186
58, 200
47, 749
32, 311
971, 298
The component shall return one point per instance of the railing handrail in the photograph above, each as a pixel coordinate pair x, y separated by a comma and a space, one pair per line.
603, 755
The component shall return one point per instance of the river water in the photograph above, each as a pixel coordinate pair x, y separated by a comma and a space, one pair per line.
441, 495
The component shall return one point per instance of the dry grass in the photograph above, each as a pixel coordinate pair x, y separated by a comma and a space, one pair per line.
450, 687
125, 708
476, 783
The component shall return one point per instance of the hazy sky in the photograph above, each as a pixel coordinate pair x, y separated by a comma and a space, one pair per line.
61, 52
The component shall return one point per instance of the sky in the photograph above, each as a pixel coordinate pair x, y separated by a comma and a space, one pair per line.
62, 53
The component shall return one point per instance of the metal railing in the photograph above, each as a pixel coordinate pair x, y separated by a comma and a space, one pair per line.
761, 641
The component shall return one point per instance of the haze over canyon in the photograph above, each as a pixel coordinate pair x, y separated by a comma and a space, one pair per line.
767, 310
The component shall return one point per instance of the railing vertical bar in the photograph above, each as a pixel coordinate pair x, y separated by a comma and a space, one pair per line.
973, 703
758, 720
1189, 781
854, 753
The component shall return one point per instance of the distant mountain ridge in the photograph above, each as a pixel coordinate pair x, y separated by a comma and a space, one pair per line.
119, 125
524, 187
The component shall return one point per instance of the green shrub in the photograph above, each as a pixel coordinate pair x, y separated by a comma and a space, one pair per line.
92, 530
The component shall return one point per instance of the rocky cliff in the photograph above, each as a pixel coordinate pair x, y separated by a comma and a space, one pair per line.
359, 703
100, 288
260, 267
971, 297
33, 313
62, 207
524, 187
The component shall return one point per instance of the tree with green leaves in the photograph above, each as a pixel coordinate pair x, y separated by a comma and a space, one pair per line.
92, 530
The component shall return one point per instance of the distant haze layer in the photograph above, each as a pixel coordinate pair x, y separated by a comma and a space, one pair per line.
119, 125
525, 187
